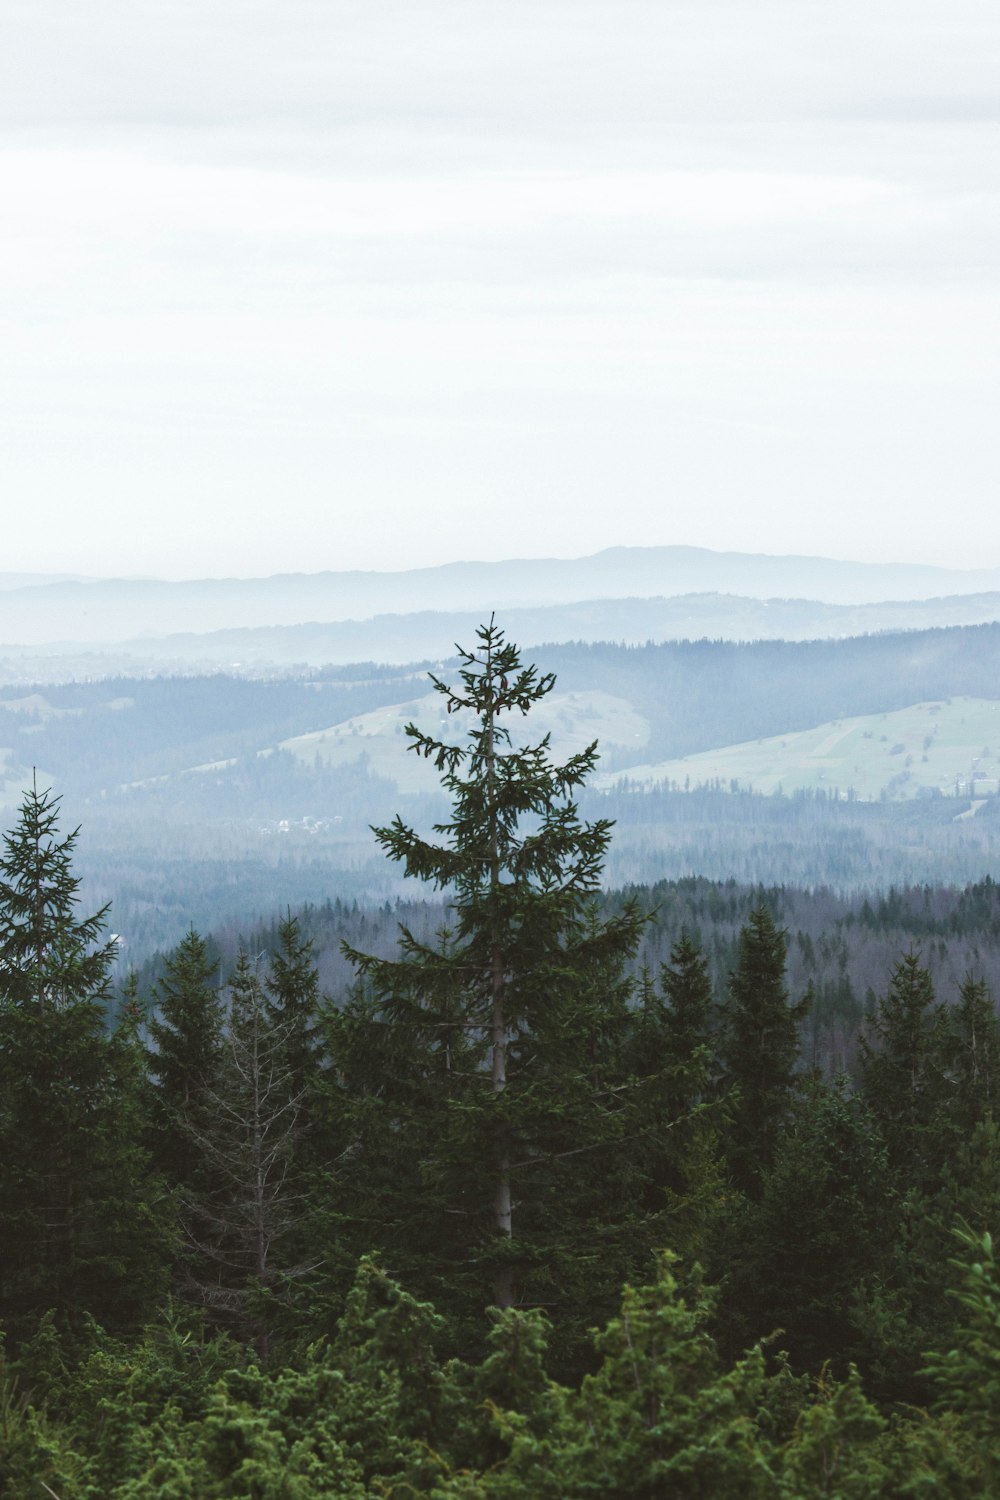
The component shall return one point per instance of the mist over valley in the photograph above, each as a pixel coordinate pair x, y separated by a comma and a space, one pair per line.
844, 744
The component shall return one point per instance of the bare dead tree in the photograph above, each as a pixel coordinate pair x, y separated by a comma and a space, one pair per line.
248, 1133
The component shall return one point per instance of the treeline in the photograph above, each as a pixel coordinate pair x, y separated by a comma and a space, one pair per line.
93, 736
227, 865
840, 947
809, 839
695, 695
190, 1199
698, 695
258, 1244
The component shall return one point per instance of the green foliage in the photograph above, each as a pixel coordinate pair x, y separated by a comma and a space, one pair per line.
187, 1034
903, 1068
973, 1056
844, 1449
84, 1226
657, 1417
967, 1373
760, 1048
292, 1002
797, 1257
479, 1067
677, 1174
503, 1111
376, 1414
49, 955
688, 1024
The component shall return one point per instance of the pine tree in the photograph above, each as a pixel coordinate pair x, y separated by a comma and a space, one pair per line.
81, 1218
187, 1036
292, 1001
760, 1048
486, 1072
688, 1021
967, 1369
690, 1111
807, 1246
49, 955
973, 1046
903, 1062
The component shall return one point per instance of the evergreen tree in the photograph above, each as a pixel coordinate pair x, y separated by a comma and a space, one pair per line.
483, 1061
187, 1034
688, 1021
903, 1066
292, 1001
967, 1370
49, 954
82, 1228
973, 1045
760, 1049
801, 1255
675, 1165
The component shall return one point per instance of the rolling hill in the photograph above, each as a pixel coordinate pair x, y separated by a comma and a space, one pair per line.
574, 721
205, 796
946, 748
399, 638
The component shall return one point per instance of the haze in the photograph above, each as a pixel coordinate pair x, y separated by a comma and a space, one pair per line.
378, 286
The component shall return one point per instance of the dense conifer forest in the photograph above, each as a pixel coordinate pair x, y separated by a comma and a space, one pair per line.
683, 1190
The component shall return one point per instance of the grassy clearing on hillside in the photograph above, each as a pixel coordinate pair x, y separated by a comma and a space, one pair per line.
573, 720
951, 747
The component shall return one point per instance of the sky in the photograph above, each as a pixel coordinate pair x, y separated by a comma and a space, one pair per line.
314, 284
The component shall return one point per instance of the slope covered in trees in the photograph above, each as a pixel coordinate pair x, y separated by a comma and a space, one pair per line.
192, 815
96, 735
261, 1243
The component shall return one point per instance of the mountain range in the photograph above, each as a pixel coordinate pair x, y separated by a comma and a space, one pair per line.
227, 744
97, 612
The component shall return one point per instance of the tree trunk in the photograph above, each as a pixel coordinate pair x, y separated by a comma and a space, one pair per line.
503, 1286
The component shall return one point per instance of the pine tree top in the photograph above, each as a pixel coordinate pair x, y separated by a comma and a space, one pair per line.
49, 955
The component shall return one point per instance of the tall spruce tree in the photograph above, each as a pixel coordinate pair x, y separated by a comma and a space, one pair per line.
973, 1046
690, 1169
904, 1062
760, 1049
481, 1065
50, 955
688, 1021
187, 1037
292, 1002
82, 1226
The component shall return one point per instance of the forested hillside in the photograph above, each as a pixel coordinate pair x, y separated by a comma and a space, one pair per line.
263, 1241
258, 649
93, 736
841, 948
219, 799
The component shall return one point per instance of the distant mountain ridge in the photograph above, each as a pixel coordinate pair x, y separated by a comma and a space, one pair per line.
116, 610
398, 639
38, 580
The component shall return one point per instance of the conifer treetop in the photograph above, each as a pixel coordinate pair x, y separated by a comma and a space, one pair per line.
494, 785
48, 954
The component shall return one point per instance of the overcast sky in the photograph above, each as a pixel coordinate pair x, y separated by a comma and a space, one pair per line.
313, 284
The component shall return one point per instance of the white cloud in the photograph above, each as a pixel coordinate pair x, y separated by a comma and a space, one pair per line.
644, 271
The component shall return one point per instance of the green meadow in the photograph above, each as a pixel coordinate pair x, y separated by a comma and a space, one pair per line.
950, 747
573, 720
